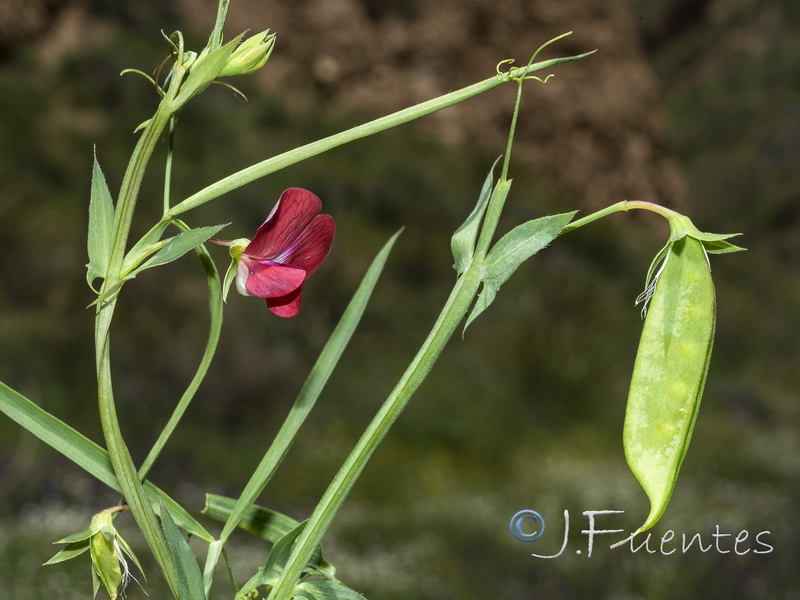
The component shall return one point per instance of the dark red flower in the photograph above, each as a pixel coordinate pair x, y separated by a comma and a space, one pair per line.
287, 248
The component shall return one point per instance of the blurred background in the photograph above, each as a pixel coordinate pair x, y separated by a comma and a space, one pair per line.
690, 103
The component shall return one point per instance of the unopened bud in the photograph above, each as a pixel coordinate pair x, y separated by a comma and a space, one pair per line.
250, 55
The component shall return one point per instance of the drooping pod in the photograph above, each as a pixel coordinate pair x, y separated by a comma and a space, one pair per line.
670, 371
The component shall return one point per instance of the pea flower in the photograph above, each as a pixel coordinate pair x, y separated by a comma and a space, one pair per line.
286, 250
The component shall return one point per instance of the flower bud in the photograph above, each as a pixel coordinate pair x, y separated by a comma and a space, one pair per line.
250, 56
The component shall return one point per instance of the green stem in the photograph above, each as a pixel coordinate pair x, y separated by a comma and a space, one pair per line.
124, 469
625, 205
500, 193
168, 168
512, 129
453, 312
263, 168
215, 308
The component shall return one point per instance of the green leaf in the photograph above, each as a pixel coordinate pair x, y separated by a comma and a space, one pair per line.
69, 552
144, 247
463, 241
519, 244
190, 580
101, 226
204, 70
168, 251
670, 372
326, 590
81, 536
266, 523
84, 452
276, 561
721, 247
311, 389
269, 574
511, 251
307, 397
176, 247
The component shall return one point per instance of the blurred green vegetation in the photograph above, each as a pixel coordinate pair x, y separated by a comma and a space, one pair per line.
525, 412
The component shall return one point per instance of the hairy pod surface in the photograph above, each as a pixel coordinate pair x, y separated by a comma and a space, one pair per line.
670, 372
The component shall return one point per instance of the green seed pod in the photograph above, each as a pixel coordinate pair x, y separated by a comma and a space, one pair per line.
670, 372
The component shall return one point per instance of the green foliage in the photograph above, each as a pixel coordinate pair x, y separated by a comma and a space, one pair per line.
101, 226
190, 580
82, 451
462, 244
573, 270
326, 590
514, 248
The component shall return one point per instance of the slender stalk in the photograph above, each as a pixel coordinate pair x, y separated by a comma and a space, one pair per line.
215, 306
263, 168
168, 168
498, 198
121, 461
124, 469
625, 205
454, 310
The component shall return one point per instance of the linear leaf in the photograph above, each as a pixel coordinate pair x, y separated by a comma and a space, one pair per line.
276, 561
268, 524
85, 453
311, 389
190, 580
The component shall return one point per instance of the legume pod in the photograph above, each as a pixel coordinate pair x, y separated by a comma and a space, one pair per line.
670, 372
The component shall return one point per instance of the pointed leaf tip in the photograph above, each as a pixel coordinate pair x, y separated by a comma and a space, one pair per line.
511, 251
101, 225
463, 241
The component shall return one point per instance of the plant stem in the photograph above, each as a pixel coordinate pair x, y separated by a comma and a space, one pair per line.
625, 205
121, 461
276, 163
454, 310
215, 328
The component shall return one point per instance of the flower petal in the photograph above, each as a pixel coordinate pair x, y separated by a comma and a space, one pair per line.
293, 212
286, 306
311, 246
267, 279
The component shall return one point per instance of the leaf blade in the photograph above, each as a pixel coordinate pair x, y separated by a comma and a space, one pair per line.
462, 244
190, 580
522, 242
511, 251
84, 452
181, 244
100, 237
